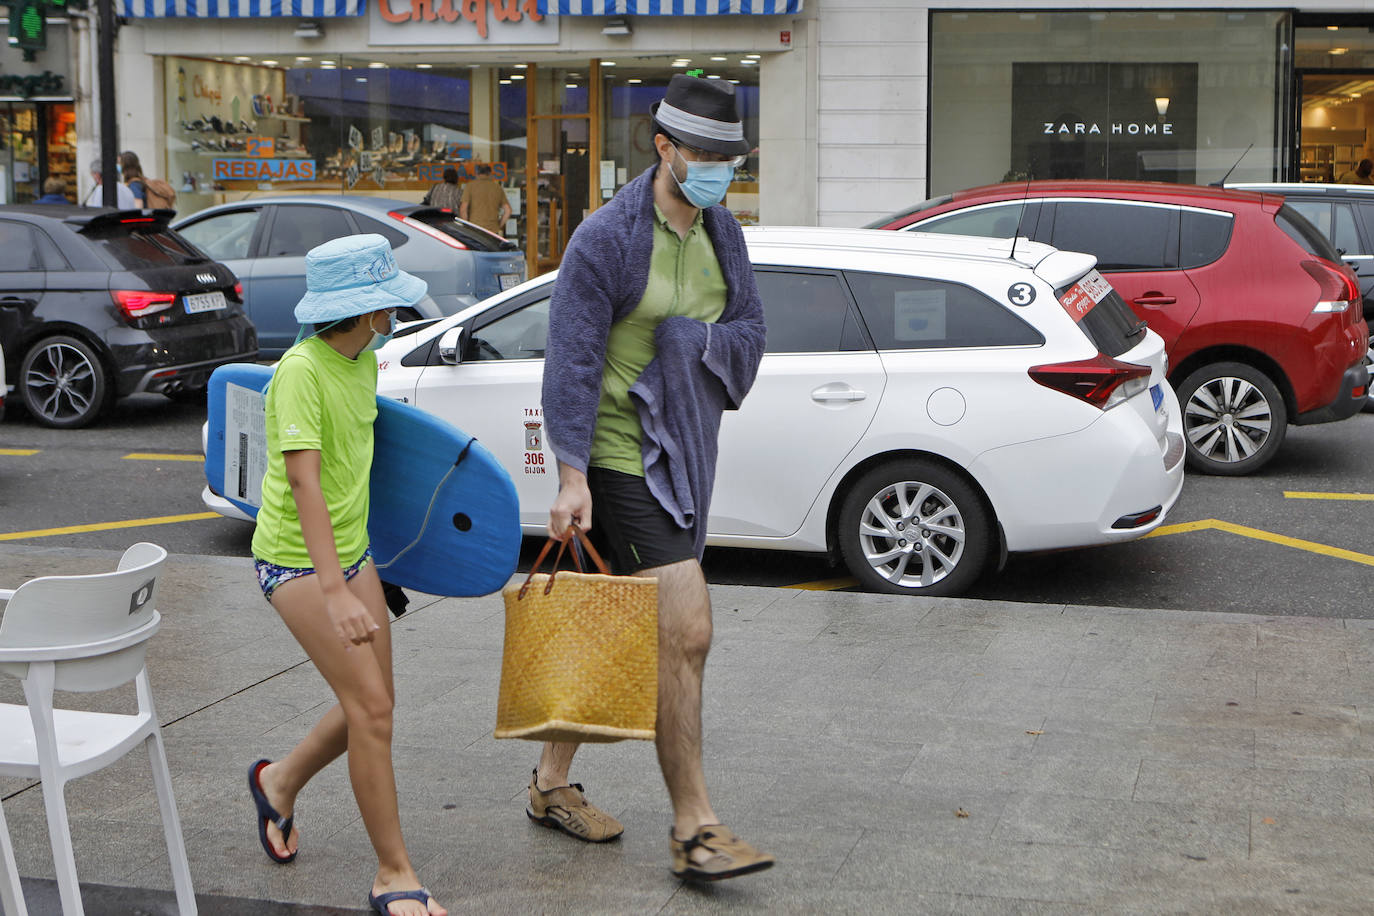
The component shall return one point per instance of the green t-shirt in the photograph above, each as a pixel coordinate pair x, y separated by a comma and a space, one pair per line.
684, 279
318, 399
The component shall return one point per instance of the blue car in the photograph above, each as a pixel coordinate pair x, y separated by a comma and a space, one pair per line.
264, 241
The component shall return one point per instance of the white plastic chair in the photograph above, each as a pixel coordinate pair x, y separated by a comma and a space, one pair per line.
86, 634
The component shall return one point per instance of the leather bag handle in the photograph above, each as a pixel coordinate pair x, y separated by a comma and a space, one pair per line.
584, 542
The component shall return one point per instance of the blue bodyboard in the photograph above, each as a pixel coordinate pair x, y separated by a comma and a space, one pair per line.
444, 518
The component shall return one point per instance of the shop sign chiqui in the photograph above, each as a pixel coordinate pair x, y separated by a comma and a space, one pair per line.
460, 22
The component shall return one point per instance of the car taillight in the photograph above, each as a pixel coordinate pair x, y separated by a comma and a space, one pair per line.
238, 291
138, 303
1101, 381
428, 230
1337, 287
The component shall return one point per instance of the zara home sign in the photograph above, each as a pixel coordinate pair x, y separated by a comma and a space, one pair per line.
1117, 128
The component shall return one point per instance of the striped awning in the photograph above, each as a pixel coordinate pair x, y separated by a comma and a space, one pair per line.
240, 9
670, 7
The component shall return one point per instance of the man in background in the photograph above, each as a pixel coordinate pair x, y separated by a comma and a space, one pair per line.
123, 196
54, 192
1360, 174
484, 202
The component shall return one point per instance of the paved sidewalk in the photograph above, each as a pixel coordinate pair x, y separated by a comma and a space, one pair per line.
897, 755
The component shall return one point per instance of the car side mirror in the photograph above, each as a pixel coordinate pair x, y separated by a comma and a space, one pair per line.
452, 344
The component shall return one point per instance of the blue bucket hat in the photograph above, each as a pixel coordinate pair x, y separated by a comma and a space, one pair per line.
354, 275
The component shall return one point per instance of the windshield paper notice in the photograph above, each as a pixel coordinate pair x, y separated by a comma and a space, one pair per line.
1078, 300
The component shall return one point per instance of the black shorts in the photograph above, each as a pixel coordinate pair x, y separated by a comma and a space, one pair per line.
630, 526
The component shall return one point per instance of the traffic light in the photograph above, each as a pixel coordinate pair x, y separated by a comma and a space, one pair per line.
28, 25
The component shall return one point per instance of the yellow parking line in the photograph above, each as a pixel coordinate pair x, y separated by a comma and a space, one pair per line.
155, 456
1301, 494
18, 451
824, 585
1260, 534
108, 526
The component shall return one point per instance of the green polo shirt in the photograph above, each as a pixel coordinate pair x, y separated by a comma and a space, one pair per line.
684, 279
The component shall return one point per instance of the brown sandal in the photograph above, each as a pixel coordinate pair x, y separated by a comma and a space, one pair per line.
730, 856
565, 808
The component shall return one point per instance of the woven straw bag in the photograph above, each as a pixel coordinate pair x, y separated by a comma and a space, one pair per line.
581, 654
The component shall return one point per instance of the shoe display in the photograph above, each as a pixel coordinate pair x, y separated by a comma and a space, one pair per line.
565, 808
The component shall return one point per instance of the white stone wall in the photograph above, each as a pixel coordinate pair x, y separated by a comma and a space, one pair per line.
871, 134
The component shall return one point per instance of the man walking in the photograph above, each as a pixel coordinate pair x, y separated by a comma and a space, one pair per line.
484, 202
124, 198
655, 328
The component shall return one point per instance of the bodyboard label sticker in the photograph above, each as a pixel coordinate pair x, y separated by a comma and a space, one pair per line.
245, 444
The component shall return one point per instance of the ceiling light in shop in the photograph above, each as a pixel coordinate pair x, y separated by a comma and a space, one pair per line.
753, 56
569, 85
634, 81
522, 66
424, 66
749, 63
301, 60
505, 82
608, 63
241, 59
713, 76
736, 82
1333, 28
376, 65
517, 76
1337, 50
717, 58
682, 63
269, 63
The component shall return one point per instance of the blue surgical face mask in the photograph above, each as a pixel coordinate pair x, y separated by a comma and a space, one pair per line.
379, 340
706, 182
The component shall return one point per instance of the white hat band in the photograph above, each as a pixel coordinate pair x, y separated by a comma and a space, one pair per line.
677, 119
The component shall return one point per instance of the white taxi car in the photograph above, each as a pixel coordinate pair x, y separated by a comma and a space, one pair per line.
926, 404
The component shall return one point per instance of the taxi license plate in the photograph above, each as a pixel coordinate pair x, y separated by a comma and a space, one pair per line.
203, 302
508, 280
1157, 396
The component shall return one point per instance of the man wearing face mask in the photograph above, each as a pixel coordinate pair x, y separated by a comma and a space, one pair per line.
655, 328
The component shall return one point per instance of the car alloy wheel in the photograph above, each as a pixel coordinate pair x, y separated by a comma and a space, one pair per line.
1234, 418
63, 383
914, 527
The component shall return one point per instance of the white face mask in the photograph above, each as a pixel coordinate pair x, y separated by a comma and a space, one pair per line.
378, 339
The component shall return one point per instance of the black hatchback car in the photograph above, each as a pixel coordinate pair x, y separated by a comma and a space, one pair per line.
99, 304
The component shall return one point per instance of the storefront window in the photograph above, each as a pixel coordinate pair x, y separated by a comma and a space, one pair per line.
1336, 93
633, 85
1168, 96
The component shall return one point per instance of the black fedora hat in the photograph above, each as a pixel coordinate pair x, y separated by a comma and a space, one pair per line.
702, 114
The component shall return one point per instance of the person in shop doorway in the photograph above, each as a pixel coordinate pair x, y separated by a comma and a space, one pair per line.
446, 194
484, 202
1360, 174
124, 198
54, 192
633, 397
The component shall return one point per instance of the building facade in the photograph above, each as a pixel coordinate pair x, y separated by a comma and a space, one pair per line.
859, 107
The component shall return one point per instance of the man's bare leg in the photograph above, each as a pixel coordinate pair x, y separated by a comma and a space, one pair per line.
684, 639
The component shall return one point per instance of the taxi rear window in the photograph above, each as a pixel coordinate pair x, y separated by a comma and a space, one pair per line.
1102, 314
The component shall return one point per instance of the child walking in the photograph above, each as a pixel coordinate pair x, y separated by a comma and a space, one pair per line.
313, 558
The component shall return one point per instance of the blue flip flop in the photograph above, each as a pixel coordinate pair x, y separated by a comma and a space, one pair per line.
380, 902
267, 813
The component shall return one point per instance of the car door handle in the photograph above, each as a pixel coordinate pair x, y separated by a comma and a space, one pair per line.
1154, 299
837, 391
15, 301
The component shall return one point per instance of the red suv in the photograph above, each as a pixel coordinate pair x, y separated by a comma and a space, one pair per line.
1262, 321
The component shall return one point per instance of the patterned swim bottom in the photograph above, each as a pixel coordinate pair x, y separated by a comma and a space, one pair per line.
271, 576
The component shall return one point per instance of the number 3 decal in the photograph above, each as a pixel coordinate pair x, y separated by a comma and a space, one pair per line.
1021, 294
